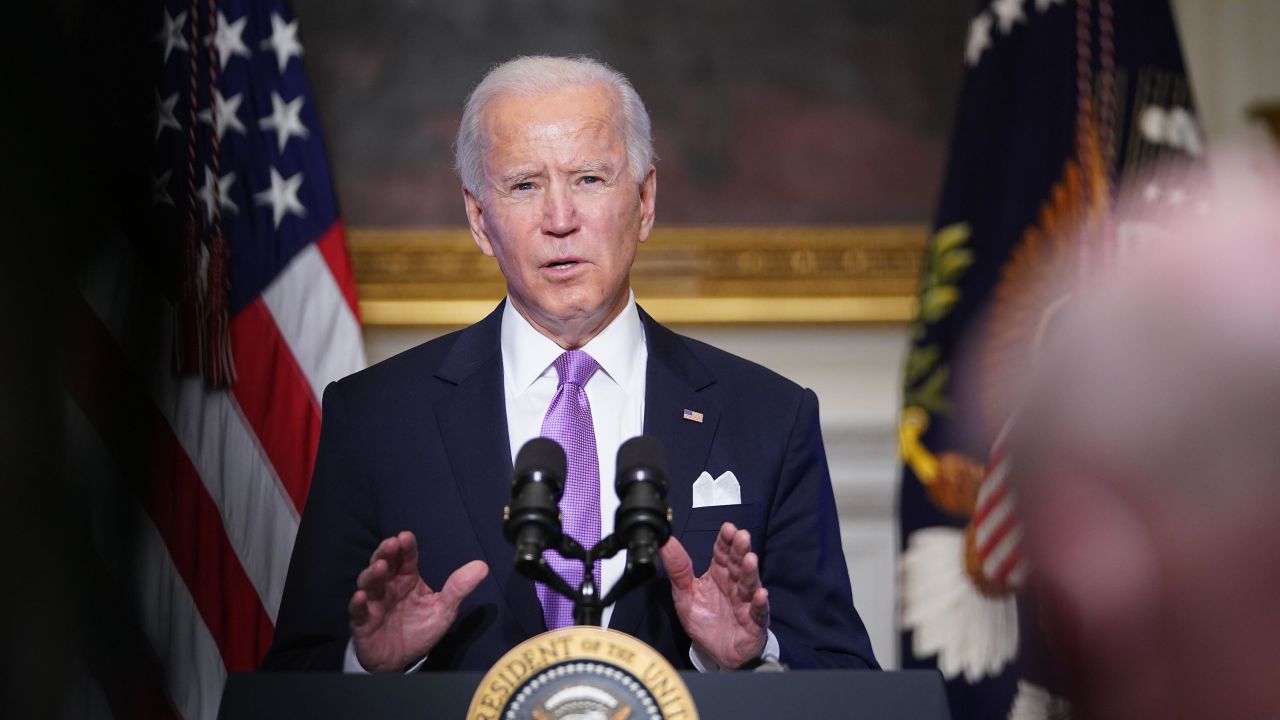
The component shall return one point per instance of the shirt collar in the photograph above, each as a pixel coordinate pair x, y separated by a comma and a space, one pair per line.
527, 353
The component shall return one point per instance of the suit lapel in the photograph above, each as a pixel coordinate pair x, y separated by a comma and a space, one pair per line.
473, 425
674, 382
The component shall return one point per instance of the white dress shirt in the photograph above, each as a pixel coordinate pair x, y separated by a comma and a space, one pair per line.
615, 392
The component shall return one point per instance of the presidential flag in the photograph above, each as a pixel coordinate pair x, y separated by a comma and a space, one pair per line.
205, 336
1062, 102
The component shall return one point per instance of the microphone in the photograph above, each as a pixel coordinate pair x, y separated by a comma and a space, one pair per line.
532, 521
643, 519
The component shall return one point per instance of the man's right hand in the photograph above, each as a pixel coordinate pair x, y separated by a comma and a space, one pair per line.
395, 617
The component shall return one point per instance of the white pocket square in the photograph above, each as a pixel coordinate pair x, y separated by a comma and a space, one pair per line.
723, 490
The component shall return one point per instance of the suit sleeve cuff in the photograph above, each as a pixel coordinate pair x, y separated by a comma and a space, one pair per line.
703, 662
351, 664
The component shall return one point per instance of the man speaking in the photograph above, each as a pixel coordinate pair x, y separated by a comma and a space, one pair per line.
400, 560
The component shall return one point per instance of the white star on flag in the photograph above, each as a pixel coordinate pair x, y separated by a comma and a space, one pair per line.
206, 193
171, 34
1008, 12
282, 196
979, 39
1042, 5
228, 114
284, 119
160, 189
283, 40
164, 113
229, 39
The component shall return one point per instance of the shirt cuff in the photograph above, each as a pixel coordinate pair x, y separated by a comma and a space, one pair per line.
351, 664
704, 662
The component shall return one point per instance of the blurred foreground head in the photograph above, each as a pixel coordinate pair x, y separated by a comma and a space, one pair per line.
1149, 470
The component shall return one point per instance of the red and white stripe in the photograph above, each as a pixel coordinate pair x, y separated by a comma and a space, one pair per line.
996, 530
216, 479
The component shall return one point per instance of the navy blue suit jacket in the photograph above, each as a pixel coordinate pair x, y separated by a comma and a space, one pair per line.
419, 442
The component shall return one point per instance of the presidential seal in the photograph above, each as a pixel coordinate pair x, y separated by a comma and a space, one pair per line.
582, 673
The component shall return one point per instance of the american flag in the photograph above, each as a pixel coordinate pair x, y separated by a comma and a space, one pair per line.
197, 436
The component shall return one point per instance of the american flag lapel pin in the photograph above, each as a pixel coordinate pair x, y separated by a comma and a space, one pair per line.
692, 415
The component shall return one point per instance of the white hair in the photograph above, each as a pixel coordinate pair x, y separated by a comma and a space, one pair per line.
533, 75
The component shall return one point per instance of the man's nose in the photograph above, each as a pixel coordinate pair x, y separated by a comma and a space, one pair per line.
559, 213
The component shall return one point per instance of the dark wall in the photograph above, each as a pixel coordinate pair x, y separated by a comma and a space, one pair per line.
812, 111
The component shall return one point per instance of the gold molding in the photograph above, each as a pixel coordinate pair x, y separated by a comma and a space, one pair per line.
683, 275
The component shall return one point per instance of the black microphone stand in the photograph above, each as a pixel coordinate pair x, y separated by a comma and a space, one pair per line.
642, 522
588, 606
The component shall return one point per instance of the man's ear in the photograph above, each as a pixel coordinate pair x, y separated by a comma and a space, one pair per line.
648, 202
475, 219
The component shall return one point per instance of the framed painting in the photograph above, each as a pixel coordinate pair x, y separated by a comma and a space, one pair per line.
800, 146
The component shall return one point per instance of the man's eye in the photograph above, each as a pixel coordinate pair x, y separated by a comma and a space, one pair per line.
522, 186
591, 180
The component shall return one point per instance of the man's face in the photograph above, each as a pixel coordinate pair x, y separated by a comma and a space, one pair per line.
560, 209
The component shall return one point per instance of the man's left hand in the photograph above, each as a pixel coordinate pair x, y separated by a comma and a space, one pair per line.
726, 611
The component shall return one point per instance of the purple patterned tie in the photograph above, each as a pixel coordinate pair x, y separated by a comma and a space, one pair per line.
568, 422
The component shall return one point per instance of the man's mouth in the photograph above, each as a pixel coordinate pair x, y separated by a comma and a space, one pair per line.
561, 264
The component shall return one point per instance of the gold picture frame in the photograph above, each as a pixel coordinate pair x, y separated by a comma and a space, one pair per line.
682, 275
